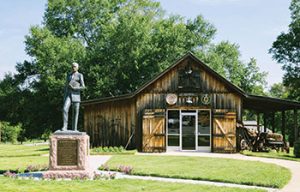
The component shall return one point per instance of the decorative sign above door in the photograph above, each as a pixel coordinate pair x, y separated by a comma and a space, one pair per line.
205, 99
171, 99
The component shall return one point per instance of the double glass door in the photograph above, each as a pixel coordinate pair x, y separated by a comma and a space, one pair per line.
188, 130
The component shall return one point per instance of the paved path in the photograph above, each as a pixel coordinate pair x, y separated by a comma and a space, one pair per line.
95, 161
35, 144
293, 186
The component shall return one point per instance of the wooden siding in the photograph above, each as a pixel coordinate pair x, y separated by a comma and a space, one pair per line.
153, 97
111, 124
169, 82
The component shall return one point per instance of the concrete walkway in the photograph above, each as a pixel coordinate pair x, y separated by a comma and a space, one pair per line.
95, 161
293, 186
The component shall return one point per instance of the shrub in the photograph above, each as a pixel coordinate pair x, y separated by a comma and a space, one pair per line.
111, 149
104, 167
45, 136
9, 133
99, 150
125, 169
116, 149
105, 149
21, 136
121, 149
33, 168
106, 176
9, 174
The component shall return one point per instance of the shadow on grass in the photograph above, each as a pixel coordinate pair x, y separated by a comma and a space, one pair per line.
10, 170
45, 149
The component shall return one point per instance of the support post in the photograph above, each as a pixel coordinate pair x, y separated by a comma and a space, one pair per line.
273, 122
257, 121
283, 124
296, 124
265, 122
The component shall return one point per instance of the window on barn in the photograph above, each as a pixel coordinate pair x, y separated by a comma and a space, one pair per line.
189, 79
173, 127
203, 128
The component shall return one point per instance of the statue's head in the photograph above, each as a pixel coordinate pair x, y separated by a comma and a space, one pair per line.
75, 67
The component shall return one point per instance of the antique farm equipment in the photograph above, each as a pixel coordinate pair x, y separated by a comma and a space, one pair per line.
260, 141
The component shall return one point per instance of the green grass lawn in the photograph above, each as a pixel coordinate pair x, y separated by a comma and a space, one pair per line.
202, 168
273, 154
16, 185
13, 157
10, 150
14, 163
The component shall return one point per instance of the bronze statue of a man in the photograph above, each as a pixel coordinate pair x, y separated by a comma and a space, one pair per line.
74, 84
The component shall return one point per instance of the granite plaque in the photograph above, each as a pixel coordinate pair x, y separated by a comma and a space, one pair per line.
67, 152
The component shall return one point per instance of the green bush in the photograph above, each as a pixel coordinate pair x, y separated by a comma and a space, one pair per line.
45, 136
9, 133
297, 148
21, 137
105, 149
109, 149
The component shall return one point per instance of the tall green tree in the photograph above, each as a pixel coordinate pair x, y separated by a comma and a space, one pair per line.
286, 51
253, 81
131, 40
224, 58
278, 90
119, 44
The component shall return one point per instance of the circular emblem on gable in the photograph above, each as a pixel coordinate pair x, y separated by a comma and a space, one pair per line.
205, 99
171, 99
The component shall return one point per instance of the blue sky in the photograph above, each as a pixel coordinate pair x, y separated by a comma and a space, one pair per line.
252, 24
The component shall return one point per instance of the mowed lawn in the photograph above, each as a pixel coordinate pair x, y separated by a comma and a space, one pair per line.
20, 156
119, 185
203, 168
9, 150
14, 163
13, 157
273, 154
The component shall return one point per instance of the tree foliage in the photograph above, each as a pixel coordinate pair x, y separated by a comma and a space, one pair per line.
224, 58
286, 51
9, 133
119, 44
278, 90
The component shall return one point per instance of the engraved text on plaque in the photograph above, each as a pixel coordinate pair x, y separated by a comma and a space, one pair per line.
67, 152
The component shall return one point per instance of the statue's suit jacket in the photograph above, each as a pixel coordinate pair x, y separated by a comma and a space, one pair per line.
74, 93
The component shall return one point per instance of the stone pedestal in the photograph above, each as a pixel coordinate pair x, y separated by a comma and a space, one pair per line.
69, 154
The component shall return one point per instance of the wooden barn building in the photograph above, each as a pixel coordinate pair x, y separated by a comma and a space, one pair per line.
186, 107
